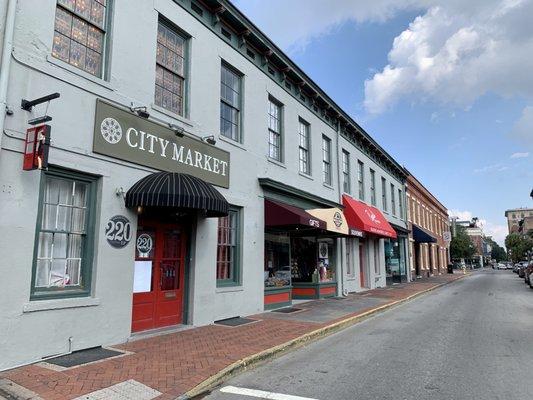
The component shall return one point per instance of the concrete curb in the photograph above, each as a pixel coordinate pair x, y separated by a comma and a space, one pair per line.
247, 362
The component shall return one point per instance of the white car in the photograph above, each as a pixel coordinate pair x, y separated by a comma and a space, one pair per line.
501, 266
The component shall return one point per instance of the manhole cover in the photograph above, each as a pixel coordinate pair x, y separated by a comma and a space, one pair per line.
83, 357
237, 321
287, 310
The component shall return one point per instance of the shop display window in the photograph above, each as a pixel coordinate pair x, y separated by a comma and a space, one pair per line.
394, 258
277, 271
312, 260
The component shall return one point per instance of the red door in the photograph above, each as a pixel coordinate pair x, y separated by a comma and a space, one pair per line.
158, 276
362, 277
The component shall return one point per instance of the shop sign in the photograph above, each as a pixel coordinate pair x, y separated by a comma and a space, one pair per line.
144, 245
126, 136
322, 249
118, 231
355, 232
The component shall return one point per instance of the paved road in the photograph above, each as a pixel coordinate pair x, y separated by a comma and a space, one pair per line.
472, 339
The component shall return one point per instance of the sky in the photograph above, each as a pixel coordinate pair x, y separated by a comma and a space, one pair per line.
445, 86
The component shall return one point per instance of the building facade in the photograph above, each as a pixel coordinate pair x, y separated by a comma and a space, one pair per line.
179, 128
515, 215
429, 224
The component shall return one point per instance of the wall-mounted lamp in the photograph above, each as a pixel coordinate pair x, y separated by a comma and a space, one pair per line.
209, 139
141, 111
178, 130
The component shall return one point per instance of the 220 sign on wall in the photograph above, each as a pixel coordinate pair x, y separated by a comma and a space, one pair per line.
118, 231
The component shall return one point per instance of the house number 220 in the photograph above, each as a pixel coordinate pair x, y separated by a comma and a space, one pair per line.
118, 231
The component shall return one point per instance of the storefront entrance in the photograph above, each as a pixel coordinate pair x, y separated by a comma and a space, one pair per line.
158, 275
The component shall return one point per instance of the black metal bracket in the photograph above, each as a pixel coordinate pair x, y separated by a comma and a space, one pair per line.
28, 104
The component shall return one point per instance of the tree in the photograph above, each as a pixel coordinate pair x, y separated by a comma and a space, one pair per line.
498, 252
518, 246
461, 245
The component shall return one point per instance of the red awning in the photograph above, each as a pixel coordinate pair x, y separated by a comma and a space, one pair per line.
366, 218
291, 217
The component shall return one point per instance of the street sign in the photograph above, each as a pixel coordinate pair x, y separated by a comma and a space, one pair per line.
447, 236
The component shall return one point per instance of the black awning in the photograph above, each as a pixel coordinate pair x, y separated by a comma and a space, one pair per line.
169, 189
421, 236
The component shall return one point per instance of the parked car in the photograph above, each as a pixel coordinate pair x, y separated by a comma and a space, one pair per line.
501, 266
527, 272
521, 271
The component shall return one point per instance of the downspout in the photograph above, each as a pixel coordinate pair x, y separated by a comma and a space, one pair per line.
7, 48
341, 252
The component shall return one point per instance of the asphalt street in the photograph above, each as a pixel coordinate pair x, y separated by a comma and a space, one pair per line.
472, 339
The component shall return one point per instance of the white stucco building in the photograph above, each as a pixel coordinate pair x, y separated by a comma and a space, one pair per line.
89, 258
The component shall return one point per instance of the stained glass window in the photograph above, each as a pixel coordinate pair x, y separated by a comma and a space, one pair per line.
79, 34
170, 69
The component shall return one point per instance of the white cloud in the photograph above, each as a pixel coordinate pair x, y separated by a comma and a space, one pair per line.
491, 168
461, 215
293, 24
523, 128
497, 231
456, 52
520, 155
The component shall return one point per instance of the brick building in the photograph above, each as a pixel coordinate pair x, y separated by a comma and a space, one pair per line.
428, 221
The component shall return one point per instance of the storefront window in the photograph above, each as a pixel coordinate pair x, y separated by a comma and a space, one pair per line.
228, 249
395, 259
312, 260
277, 260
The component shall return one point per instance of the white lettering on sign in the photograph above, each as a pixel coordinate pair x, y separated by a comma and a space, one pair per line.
314, 222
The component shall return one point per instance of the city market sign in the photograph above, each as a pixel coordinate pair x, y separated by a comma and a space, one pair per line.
126, 136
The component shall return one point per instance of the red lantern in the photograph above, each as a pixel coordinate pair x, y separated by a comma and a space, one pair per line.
36, 148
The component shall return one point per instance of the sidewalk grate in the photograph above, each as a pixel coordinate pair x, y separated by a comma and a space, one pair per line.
236, 321
83, 357
287, 310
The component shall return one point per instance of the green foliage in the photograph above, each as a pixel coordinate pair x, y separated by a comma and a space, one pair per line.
498, 252
518, 246
461, 245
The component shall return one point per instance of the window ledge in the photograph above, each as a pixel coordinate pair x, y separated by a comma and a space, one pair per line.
306, 176
229, 289
45, 305
232, 142
327, 185
172, 115
85, 75
276, 162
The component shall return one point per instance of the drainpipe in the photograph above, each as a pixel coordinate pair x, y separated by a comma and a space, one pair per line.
7, 48
341, 252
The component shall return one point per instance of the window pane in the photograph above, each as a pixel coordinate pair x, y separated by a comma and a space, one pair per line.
61, 47
77, 54
63, 23
42, 273
79, 31
83, 7
97, 14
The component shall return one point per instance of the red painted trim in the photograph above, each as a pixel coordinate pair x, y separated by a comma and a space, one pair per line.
327, 290
277, 298
304, 291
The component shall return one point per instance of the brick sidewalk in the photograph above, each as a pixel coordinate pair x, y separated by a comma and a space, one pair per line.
176, 362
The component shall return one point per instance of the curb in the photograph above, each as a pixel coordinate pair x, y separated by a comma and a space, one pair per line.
241, 365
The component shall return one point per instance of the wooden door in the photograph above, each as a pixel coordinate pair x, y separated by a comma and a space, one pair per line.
159, 276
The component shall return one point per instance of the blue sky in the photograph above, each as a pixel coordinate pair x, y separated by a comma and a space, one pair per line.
443, 86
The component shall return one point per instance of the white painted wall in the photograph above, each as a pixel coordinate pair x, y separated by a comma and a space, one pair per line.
105, 317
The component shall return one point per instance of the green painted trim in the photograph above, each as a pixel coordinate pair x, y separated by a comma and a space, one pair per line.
296, 196
273, 306
88, 250
237, 273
